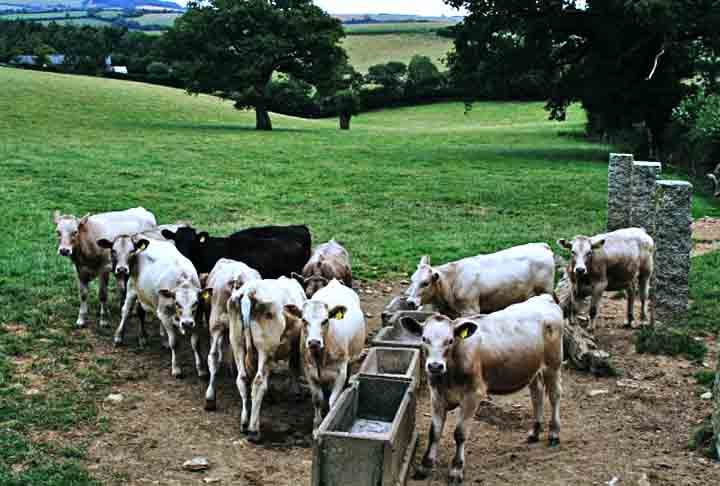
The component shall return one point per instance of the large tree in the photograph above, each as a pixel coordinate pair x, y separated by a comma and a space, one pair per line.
232, 48
626, 61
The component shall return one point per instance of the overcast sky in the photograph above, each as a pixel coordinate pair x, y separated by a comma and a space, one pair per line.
417, 7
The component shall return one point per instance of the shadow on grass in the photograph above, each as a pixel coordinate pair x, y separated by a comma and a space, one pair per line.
215, 127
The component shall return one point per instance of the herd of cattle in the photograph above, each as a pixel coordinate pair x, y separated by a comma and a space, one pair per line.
497, 328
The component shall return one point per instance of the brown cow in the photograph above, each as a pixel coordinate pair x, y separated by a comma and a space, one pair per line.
497, 353
609, 261
329, 261
77, 240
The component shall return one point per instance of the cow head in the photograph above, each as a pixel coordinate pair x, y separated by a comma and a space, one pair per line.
311, 284
439, 336
68, 229
714, 176
583, 249
187, 240
123, 252
315, 316
181, 304
422, 284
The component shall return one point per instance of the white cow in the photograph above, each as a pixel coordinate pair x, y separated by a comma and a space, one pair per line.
261, 332
226, 276
484, 283
165, 283
77, 240
333, 335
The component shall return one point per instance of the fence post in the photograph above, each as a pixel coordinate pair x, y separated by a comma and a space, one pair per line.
642, 195
673, 244
619, 191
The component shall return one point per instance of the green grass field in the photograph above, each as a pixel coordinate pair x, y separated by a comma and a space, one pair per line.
165, 19
44, 15
395, 27
81, 21
402, 183
367, 50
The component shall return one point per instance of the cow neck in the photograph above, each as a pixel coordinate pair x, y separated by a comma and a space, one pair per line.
86, 251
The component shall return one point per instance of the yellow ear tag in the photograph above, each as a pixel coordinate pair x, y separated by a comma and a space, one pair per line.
339, 315
464, 333
206, 296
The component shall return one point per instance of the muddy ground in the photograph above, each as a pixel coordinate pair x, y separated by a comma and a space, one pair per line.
634, 428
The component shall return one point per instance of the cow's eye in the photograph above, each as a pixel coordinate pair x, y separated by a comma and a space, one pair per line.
425, 340
450, 341
268, 315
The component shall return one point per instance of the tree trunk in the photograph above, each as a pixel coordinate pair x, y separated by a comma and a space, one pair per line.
345, 121
262, 119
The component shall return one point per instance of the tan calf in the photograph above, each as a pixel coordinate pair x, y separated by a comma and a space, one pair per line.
497, 353
329, 261
620, 260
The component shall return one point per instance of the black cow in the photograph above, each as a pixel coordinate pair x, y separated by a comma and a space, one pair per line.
271, 250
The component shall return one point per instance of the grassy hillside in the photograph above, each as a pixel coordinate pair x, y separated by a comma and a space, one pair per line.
392, 28
402, 183
367, 50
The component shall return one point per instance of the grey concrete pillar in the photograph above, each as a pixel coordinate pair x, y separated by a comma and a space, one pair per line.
619, 175
642, 195
673, 244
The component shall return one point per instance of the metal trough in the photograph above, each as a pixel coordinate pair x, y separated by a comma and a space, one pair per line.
368, 438
392, 363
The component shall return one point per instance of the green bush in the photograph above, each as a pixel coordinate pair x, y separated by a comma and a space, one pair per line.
669, 341
158, 70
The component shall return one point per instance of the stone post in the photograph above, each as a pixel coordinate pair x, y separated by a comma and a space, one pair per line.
673, 244
619, 175
642, 195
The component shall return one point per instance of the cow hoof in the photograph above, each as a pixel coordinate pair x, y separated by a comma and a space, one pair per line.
244, 428
202, 373
253, 436
554, 442
533, 438
628, 324
210, 405
177, 373
421, 472
118, 341
456, 477
142, 342
80, 323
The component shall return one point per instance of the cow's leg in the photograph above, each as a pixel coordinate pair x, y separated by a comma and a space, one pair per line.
142, 334
163, 337
538, 402
214, 360
172, 343
644, 287
340, 382
83, 283
553, 385
194, 338
630, 303
318, 400
468, 407
295, 362
127, 307
595, 299
437, 424
259, 387
237, 341
103, 297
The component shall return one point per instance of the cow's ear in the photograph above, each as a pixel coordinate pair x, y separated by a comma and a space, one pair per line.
293, 310
298, 277
167, 234
563, 243
411, 325
141, 245
465, 329
203, 277
104, 243
338, 312
84, 219
206, 295
425, 260
56, 216
598, 244
167, 293
435, 277
203, 237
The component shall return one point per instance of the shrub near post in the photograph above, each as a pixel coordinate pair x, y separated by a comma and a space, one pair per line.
619, 191
673, 243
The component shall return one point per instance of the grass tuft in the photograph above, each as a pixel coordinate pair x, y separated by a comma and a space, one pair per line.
670, 342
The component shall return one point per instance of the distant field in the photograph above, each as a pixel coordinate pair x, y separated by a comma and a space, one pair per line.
367, 50
166, 19
44, 15
109, 14
80, 21
397, 27
50, 3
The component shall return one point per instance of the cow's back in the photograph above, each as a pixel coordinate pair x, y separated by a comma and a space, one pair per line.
274, 251
627, 252
112, 224
161, 266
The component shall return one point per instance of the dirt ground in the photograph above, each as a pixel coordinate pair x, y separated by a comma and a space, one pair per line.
632, 430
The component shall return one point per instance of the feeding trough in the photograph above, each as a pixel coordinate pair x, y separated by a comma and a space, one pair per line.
368, 438
392, 363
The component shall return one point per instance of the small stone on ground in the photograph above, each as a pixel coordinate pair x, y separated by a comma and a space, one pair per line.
196, 464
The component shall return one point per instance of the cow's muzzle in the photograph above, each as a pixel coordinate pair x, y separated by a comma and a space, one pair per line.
64, 251
187, 325
580, 271
122, 272
435, 368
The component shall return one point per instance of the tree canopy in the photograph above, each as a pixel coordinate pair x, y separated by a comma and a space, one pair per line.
232, 48
627, 62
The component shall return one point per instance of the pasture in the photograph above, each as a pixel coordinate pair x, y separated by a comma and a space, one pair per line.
395, 27
425, 180
381, 47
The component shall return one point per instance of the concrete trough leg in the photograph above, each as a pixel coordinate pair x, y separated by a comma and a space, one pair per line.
673, 244
619, 195
368, 438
